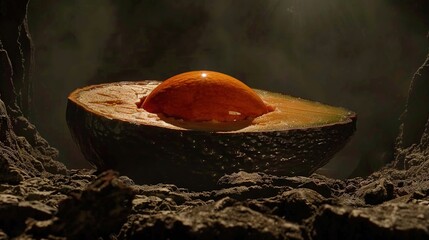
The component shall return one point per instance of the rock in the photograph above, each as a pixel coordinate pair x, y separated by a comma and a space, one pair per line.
377, 192
164, 191
23, 152
208, 222
295, 205
99, 210
413, 140
415, 117
243, 179
152, 204
389, 221
15, 211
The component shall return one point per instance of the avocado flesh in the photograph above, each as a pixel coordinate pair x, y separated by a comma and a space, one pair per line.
297, 138
118, 101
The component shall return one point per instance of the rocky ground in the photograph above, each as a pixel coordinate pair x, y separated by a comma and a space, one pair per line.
80, 205
41, 199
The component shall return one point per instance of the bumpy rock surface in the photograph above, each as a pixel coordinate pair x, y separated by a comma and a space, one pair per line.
23, 152
82, 206
41, 199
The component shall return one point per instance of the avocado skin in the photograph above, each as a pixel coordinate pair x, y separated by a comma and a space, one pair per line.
197, 159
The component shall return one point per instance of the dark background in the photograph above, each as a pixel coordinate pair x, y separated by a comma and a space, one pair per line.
359, 54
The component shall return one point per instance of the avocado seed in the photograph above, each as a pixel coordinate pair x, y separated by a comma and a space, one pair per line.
205, 96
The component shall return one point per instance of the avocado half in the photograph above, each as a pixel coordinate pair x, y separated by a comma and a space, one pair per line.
113, 132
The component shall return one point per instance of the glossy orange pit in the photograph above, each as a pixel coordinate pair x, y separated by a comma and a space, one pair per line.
205, 96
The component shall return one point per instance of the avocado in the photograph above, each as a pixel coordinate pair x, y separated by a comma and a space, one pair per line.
114, 131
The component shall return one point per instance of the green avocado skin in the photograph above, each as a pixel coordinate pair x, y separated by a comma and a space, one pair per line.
197, 159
